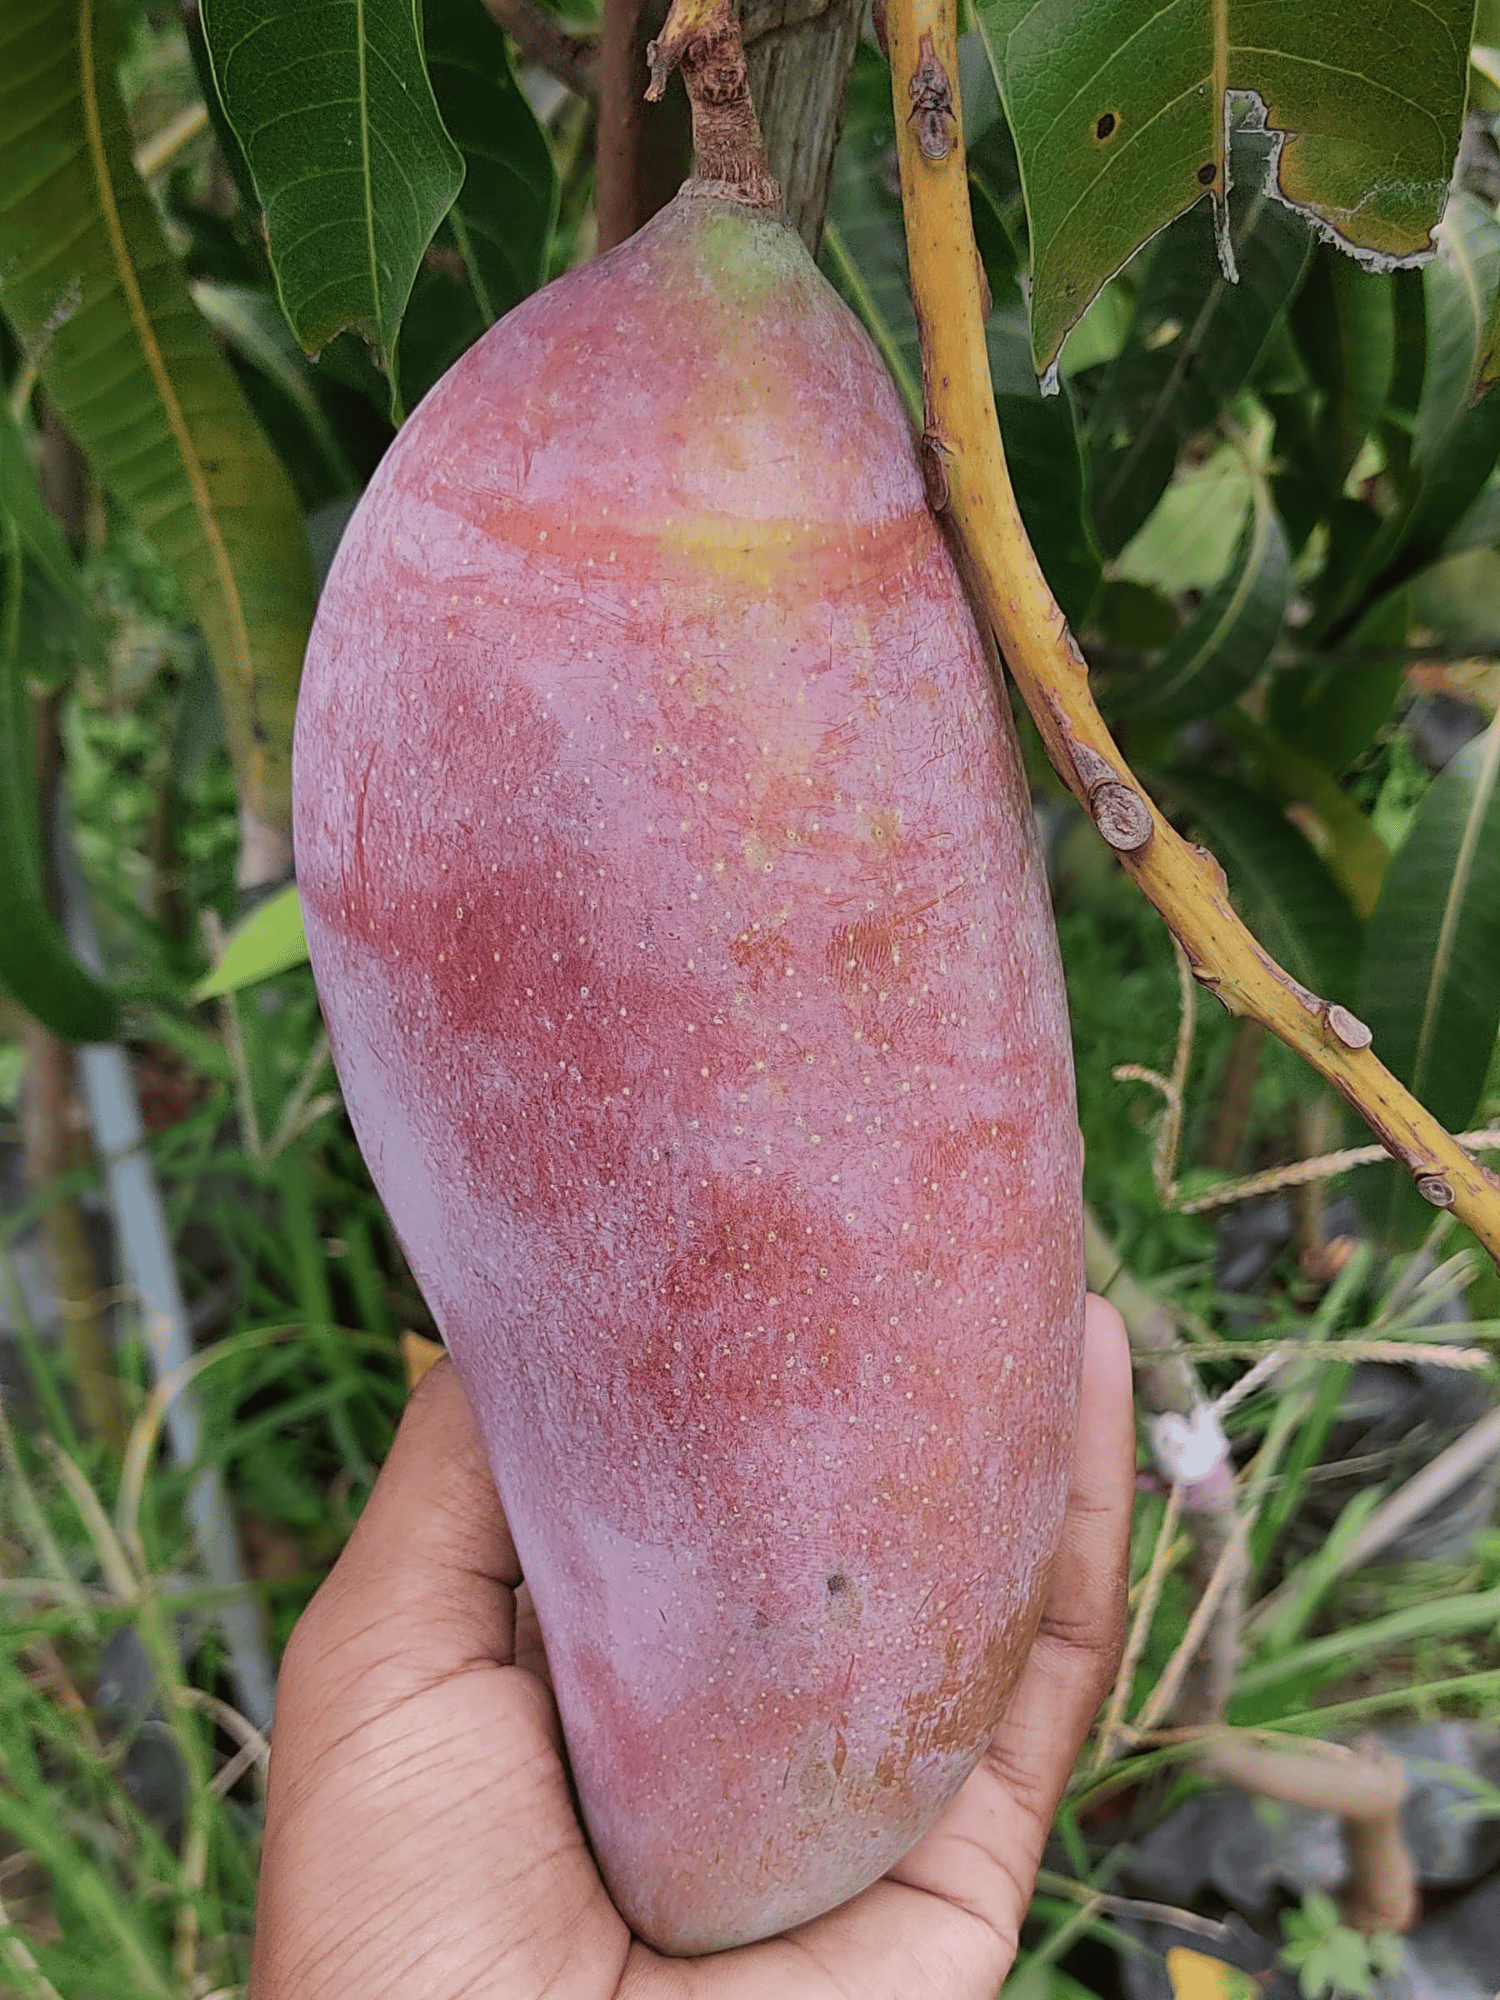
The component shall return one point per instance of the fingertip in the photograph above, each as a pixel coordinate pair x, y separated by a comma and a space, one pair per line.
1108, 1376
428, 1576
435, 1500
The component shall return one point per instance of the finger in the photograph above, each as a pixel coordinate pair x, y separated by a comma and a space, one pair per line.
420, 1834
1082, 1633
426, 1586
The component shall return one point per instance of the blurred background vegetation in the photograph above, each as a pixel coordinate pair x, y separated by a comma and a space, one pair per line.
1271, 510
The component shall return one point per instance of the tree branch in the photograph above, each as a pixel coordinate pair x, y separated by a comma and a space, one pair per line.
570, 58
967, 476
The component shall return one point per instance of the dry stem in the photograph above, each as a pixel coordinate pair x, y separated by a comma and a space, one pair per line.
1365, 1784
962, 446
572, 59
702, 37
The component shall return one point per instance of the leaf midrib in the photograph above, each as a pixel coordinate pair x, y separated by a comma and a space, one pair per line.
161, 375
364, 160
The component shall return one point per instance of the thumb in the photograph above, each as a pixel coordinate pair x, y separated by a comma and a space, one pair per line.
426, 1586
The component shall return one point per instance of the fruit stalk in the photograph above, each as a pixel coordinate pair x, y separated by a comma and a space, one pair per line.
702, 38
968, 479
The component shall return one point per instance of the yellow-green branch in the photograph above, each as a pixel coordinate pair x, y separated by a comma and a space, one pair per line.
967, 475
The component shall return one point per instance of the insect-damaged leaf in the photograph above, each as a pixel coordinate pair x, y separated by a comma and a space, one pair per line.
1118, 111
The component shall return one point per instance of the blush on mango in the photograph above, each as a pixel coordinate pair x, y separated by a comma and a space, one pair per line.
673, 895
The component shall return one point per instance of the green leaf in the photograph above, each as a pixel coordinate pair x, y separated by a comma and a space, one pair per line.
1345, 327
864, 242
864, 254
57, 635
100, 304
1355, 855
1118, 115
247, 320
332, 104
492, 249
1046, 464
1189, 539
1286, 894
1430, 977
1194, 340
1229, 639
1332, 710
1455, 440
36, 966
43, 543
1461, 285
270, 940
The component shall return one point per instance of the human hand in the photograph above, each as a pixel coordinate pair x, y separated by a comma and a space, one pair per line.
421, 1839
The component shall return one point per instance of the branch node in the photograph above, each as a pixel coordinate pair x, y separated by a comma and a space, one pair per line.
1121, 815
931, 95
934, 455
1433, 1188
1348, 1028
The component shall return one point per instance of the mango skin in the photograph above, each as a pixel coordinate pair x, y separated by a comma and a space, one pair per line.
673, 895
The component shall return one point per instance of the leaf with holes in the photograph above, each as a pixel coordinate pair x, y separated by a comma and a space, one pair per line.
1193, 340
101, 305
1119, 117
1225, 644
331, 102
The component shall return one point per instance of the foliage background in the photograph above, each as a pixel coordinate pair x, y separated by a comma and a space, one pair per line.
1270, 509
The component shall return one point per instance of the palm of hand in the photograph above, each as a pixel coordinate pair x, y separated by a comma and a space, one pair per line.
421, 1835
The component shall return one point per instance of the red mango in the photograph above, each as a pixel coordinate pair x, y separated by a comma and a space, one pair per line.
674, 898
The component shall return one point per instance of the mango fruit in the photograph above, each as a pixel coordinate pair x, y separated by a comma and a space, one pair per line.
673, 895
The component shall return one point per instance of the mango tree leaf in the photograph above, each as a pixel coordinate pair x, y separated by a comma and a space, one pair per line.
331, 102
1430, 975
1118, 112
1489, 359
864, 253
1189, 539
497, 233
43, 543
1456, 435
1225, 644
1353, 852
36, 966
246, 319
1344, 321
57, 635
1046, 466
1284, 891
270, 940
99, 303
1194, 339
864, 242
1333, 708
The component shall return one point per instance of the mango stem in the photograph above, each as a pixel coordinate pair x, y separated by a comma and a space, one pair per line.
968, 479
702, 38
